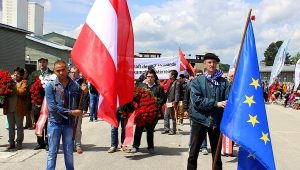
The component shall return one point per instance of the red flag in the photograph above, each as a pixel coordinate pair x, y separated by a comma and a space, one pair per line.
39, 126
184, 63
103, 53
129, 130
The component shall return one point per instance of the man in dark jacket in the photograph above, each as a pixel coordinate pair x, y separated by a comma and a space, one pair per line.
209, 94
42, 141
172, 97
159, 94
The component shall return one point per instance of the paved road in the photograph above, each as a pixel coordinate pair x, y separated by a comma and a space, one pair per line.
171, 151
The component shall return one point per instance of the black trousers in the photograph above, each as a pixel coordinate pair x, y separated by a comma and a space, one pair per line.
42, 140
138, 135
198, 133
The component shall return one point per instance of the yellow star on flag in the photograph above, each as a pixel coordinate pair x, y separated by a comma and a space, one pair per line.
255, 83
253, 120
265, 137
249, 100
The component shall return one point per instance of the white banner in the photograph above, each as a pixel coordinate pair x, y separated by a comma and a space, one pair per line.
297, 75
279, 61
161, 65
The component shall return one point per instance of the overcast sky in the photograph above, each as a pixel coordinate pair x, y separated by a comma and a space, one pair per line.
197, 26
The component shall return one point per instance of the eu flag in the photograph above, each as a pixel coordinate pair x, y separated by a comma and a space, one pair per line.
244, 119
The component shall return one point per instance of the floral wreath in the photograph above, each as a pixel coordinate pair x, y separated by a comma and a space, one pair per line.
145, 106
6, 85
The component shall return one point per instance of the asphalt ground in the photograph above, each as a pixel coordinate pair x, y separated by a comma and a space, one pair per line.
171, 151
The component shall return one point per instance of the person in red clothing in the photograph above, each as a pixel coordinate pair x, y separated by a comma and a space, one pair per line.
273, 88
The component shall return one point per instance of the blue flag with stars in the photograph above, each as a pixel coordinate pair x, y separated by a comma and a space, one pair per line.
244, 119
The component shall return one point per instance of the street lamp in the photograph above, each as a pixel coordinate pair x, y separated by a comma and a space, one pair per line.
28, 58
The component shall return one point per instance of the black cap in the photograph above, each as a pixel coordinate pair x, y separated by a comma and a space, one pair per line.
211, 56
42, 59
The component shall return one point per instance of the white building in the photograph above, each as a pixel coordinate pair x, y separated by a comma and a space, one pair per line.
14, 13
35, 18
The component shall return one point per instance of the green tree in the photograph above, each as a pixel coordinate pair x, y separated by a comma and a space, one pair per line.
271, 52
295, 58
224, 67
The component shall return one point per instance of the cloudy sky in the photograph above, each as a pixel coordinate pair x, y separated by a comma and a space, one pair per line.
197, 26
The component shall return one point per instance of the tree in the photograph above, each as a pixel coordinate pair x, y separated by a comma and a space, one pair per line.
271, 52
295, 58
224, 67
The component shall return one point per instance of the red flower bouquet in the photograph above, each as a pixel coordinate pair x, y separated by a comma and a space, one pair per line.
146, 107
6, 85
37, 92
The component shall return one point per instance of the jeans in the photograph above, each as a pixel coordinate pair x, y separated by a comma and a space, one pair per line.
204, 143
114, 131
169, 113
198, 133
14, 119
138, 135
55, 132
93, 106
78, 132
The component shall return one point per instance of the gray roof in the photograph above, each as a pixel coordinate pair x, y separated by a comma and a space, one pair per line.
48, 43
14, 28
286, 68
58, 35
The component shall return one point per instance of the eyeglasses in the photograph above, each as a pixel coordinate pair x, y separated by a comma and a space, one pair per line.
150, 76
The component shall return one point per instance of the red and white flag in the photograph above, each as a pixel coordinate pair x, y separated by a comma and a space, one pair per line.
39, 126
104, 53
184, 64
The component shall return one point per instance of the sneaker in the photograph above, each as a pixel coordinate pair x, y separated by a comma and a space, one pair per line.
31, 128
134, 150
91, 120
39, 147
10, 147
79, 150
165, 132
151, 151
204, 151
47, 147
112, 149
172, 133
19, 146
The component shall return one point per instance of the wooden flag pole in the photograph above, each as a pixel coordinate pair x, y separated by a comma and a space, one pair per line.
237, 63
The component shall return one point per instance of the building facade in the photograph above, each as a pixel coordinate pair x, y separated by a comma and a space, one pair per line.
12, 47
287, 73
14, 13
60, 39
35, 18
37, 47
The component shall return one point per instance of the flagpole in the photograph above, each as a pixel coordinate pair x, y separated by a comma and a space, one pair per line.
237, 63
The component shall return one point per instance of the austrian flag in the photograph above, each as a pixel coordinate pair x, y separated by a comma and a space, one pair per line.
104, 53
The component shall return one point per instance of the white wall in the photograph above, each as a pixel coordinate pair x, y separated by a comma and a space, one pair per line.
15, 13
35, 18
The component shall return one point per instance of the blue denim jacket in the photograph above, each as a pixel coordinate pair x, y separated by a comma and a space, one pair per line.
56, 110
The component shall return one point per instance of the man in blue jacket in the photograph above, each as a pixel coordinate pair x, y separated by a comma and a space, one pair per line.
62, 97
209, 94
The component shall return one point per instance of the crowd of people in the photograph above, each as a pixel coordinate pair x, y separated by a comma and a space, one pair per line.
69, 96
284, 93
